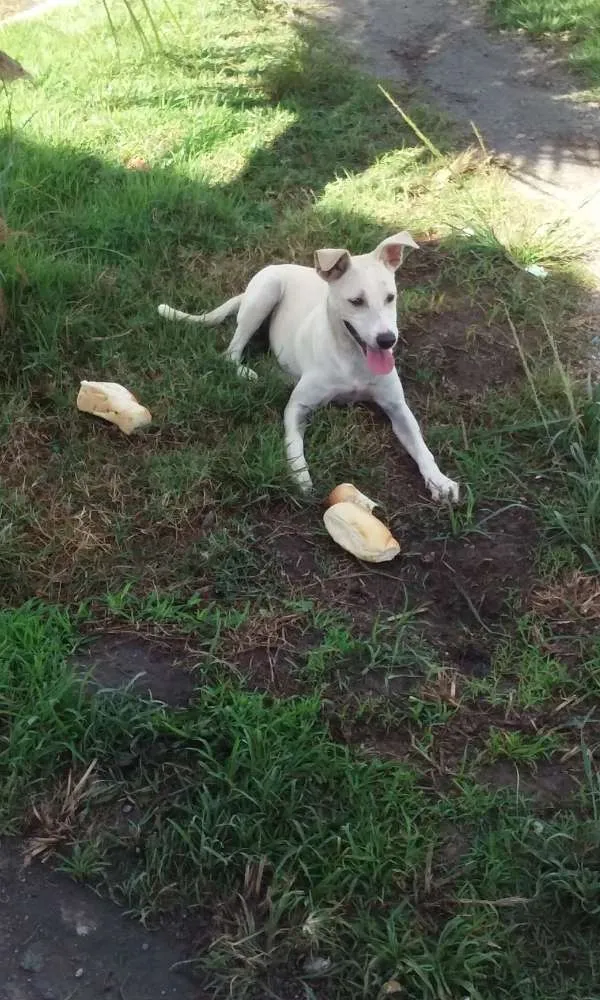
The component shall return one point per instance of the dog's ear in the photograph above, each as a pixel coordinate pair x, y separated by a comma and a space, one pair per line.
390, 251
331, 264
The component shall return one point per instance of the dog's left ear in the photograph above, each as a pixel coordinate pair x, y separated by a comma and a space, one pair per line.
331, 264
390, 251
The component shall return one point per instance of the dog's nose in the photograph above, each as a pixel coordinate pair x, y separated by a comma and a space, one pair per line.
386, 340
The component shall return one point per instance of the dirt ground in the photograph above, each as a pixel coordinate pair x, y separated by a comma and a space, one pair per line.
9, 7
58, 941
24, 9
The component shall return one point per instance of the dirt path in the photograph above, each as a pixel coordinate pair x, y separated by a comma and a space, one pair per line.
10, 7
517, 94
24, 10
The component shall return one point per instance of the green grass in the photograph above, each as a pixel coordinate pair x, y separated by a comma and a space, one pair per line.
575, 21
337, 855
327, 792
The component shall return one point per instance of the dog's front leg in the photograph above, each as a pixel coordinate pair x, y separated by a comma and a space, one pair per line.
390, 397
306, 397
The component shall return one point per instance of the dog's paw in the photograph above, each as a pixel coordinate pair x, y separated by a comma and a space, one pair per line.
303, 481
442, 488
245, 372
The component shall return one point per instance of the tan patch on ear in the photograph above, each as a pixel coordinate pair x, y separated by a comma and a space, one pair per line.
391, 251
332, 264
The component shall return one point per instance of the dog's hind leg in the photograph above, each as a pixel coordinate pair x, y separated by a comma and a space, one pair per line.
263, 293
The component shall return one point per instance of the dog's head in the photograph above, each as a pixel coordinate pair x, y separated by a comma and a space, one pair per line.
363, 292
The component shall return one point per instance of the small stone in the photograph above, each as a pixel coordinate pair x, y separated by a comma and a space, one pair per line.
32, 960
79, 974
137, 163
537, 270
317, 966
391, 988
127, 808
209, 520
145, 946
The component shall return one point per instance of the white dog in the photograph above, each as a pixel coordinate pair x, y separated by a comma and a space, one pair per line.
333, 329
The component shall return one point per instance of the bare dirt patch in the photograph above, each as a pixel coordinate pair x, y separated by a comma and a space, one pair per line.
151, 668
266, 652
549, 782
59, 940
470, 355
469, 579
462, 583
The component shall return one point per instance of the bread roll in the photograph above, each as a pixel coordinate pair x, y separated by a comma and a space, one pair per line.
360, 533
113, 402
347, 492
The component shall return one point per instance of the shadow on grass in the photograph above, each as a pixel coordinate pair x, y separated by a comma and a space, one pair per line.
87, 221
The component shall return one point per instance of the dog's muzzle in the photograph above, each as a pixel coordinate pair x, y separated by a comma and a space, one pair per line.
385, 341
356, 336
380, 359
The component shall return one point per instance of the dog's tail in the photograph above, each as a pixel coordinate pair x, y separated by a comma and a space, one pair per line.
207, 319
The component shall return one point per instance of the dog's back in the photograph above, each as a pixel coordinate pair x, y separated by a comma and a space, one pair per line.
302, 295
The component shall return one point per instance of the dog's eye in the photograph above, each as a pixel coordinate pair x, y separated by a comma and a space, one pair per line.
358, 301
390, 298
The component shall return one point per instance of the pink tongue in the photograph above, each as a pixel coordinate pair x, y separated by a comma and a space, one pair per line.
380, 362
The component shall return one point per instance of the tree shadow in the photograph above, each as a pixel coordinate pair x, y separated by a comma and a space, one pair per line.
98, 236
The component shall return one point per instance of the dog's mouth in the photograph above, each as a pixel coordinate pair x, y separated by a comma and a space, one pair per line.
379, 361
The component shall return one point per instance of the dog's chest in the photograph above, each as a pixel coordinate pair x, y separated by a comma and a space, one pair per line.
351, 393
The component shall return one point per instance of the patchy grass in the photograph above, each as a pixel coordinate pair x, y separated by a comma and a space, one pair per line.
386, 768
573, 23
312, 849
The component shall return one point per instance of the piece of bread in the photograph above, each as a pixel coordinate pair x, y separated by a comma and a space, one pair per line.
115, 403
357, 531
346, 492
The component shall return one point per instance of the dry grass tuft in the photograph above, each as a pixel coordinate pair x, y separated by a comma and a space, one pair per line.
574, 598
57, 819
